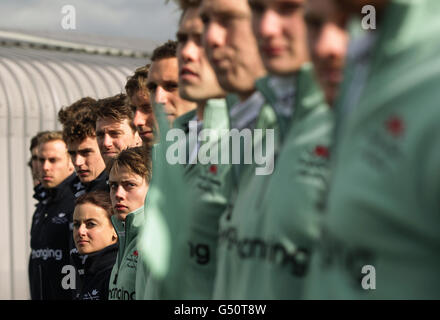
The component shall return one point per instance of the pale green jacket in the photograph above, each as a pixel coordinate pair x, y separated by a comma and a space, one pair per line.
265, 243
211, 184
381, 235
123, 276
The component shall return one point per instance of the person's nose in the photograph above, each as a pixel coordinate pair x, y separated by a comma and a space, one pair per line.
139, 119
214, 35
107, 141
269, 24
161, 95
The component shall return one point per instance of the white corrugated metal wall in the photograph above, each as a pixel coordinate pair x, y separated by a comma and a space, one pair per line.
34, 85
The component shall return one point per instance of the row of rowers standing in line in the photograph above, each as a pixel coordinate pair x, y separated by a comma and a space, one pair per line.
298, 232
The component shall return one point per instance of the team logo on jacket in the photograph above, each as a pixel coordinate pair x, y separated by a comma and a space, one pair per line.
60, 218
395, 126
94, 295
383, 145
132, 259
322, 152
209, 180
313, 162
213, 169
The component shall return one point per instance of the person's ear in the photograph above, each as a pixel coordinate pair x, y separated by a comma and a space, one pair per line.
114, 237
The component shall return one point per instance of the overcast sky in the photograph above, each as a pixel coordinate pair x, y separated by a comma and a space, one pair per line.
150, 19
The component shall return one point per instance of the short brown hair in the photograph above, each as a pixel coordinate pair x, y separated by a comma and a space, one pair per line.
98, 198
137, 160
117, 108
167, 50
35, 140
49, 136
138, 81
186, 4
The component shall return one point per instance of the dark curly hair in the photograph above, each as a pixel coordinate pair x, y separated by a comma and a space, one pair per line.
86, 104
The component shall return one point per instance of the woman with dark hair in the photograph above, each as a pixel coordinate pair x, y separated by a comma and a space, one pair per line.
96, 242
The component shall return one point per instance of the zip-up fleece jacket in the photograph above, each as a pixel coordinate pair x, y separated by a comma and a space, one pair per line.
228, 268
381, 236
211, 184
267, 238
51, 242
94, 273
99, 184
123, 276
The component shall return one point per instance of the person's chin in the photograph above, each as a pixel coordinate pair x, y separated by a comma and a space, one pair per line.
121, 215
86, 179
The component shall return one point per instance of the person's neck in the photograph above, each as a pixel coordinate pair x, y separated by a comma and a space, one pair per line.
200, 109
243, 96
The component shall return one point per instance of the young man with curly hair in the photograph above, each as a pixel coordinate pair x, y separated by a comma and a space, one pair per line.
79, 134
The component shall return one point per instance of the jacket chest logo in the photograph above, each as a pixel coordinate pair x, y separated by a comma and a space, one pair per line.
132, 259
60, 218
94, 295
313, 162
383, 145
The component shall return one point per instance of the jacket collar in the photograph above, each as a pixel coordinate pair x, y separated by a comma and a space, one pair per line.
101, 180
132, 224
61, 190
406, 26
101, 259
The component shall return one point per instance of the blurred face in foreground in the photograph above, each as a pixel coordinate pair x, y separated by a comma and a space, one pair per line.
127, 191
280, 29
328, 43
92, 228
231, 46
197, 80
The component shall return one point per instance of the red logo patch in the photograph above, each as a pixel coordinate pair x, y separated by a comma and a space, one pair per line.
395, 126
135, 253
322, 151
213, 169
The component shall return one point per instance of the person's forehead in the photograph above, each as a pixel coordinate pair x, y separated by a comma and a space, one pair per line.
191, 22
109, 124
319, 8
87, 210
123, 174
87, 143
54, 146
164, 70
220, 7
